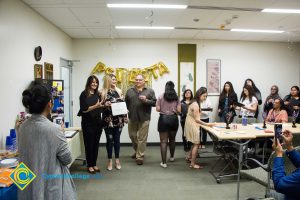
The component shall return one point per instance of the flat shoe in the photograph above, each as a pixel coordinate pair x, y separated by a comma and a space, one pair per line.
91, 171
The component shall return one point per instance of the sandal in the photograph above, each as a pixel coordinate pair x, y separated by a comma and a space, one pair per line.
188, 159
196, 166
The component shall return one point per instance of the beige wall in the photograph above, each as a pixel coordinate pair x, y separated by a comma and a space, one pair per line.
21, 30
266, 63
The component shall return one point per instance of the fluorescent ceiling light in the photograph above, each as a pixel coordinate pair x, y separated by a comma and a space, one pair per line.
281, 10
256, 31
145, 27
147, 6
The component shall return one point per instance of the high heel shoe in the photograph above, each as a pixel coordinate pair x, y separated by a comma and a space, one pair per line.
118, 165
91, 171
109, 166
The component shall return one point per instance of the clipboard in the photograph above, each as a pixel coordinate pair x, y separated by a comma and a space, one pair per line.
206, 109
238, 104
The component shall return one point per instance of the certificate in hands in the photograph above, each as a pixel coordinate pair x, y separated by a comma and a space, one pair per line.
119, 108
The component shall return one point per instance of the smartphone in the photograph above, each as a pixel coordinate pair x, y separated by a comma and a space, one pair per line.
277, 131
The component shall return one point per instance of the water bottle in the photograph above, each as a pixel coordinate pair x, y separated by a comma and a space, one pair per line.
13, 136
9, 144
244, 120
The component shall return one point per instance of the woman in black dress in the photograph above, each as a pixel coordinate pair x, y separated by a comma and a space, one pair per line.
90, 111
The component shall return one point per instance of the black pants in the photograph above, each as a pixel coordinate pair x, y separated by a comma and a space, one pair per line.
186, 144
203, 133
113, 141
91, 137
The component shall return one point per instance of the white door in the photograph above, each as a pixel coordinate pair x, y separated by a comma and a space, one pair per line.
66, 76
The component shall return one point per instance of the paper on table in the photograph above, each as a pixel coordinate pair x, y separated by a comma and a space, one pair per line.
119, 108
70, 134
235, 132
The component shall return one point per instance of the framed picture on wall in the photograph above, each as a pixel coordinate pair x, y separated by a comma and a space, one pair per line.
213, 76
187, 78
48, 68
38, 71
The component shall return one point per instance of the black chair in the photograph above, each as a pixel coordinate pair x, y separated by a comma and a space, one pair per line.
227, 159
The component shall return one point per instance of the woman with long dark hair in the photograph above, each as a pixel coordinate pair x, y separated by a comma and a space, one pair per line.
250, 105
292, 104
226, 101
187, 96
192, 126
43, 148
257, 94
90, 111
112, 125
206, 108
168, 106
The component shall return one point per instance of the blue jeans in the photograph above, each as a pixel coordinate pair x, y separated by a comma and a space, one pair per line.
113, 141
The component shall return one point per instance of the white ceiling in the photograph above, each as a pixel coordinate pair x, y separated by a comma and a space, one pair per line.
92, 19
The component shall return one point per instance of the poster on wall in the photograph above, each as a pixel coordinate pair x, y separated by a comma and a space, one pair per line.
48, 68
57, 93
213, 76
187, 79
38, 71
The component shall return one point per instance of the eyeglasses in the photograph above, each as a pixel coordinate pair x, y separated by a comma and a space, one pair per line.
273, 89
139, 79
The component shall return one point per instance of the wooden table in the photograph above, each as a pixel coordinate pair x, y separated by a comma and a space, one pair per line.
240, 136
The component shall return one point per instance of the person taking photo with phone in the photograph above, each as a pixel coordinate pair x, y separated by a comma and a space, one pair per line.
288, 185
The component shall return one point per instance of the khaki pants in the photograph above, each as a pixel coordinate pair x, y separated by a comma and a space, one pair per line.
138, 133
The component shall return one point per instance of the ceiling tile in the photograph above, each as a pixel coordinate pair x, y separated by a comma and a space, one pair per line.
93, 17
78, 32
157, 33
183, 34
100, 33
62, 17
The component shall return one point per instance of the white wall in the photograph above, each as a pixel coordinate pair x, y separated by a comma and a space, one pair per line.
21, 30
265, 62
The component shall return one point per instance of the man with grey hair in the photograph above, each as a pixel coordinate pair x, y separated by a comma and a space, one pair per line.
139, 100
